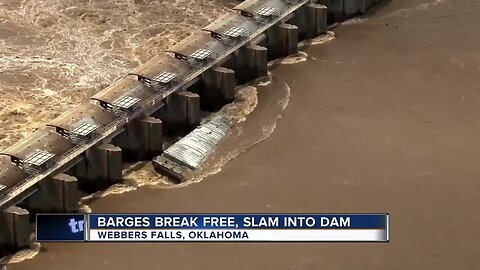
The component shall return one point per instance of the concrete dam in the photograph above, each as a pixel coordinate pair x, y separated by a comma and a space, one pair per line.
142, 115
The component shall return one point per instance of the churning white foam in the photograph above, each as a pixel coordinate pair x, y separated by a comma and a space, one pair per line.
24, 254
143, 174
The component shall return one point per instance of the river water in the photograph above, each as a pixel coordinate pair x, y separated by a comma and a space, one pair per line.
383, 118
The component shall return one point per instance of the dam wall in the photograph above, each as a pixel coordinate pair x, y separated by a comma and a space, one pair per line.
145, 114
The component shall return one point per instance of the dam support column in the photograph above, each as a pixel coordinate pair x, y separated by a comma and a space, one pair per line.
282, 40
257, 60
58, 194
218, 88
101, 167
14, 229
249, 62
181, 112
356, 7
316, 20
142, 139
289, 35
193, 108
335, 10
105, 163
311, 21
151, 132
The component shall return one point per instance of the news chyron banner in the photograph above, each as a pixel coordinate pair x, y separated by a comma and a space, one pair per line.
213, 227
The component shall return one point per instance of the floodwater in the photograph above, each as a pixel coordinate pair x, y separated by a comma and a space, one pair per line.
383, 118
55, 54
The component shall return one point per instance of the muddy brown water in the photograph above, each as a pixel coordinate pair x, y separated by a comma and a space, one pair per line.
55, 54
384, 118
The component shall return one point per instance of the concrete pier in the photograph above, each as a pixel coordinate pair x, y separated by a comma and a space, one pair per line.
193, 108
58, 194
141, 140
289, 34
282, 40
311, 20
14, 229
257, 59
218, 88
316, 17
181, 112
335, 10
105, 163
151, 132
101, 167
249, 62
353, 8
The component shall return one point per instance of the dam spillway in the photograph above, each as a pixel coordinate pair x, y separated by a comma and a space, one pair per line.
86, 145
